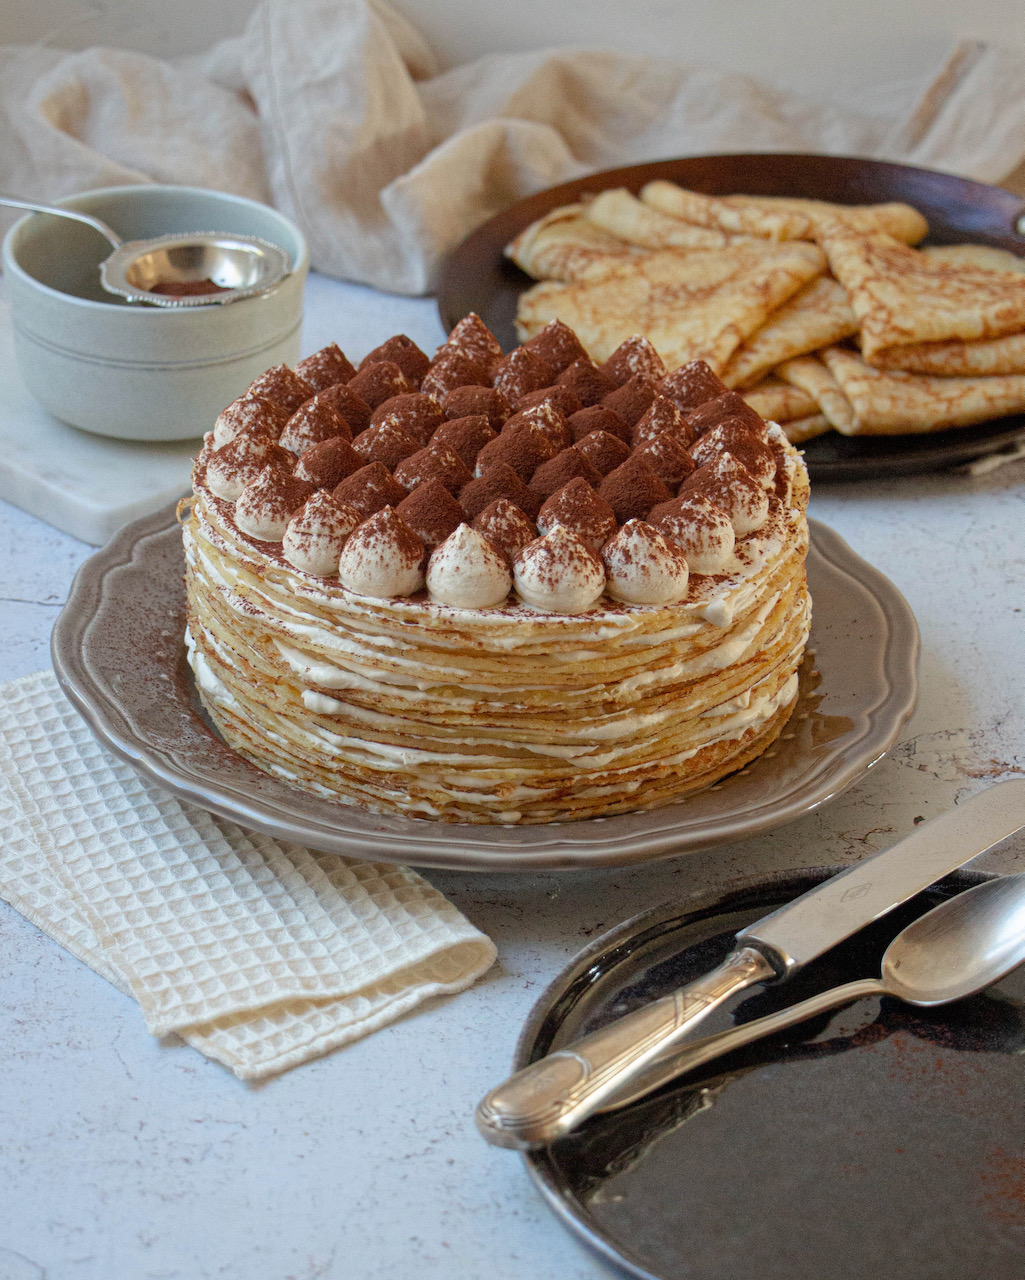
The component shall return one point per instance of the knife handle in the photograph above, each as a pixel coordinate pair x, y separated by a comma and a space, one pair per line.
552, 1096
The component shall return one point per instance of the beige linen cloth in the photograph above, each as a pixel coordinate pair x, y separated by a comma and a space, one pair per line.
260, 955
334, 111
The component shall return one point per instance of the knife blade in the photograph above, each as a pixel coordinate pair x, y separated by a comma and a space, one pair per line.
551, 1096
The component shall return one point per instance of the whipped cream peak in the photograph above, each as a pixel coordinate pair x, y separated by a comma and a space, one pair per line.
702, 531
559, 573
644, 567
231, 467
733, 489
735, 438
504, 524
251, 413
580, 510
317, 532
382, 558
468, 572
265, 506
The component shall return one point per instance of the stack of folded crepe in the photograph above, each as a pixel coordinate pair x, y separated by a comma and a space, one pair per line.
824, 316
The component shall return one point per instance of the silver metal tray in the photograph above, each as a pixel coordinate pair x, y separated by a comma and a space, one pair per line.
119, 655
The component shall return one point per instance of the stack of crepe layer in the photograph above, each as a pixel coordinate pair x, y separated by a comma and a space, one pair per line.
502, 716
822, 315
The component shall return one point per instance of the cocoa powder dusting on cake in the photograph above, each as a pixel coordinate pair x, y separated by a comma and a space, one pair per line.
370, 489
431, 512
473, 337
313, 423
662, 415
587, 382
633, 399
282, 386
557, 347
379, 381
603, 451
405, 353
231, 467
733, 436
325, 368
465, 437
599, 418
730, 405
251, 412
452, 369
467, 402
559, 471
353, 408
740, 492
665, 457
267, 503
548, 420
519, 373
500, 481
414, 413
505, 526
435, 462
633, 489
329, 463
692, 384
635, 355
521, 446
555, 561
385, 443
561, 398
579, 509
384, 532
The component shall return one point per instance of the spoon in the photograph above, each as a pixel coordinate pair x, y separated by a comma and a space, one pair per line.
958, 948
237, 266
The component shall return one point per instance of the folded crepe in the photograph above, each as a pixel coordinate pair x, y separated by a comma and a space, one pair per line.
564, 245
783, 218
903, 298
778, 401
621, 214
811, 376
897, 403
983, 256
957, 359
819, 315
691, 306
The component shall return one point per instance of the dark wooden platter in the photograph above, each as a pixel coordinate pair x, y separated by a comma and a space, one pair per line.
478, 277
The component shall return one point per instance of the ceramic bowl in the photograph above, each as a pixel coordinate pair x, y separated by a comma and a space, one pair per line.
132, 371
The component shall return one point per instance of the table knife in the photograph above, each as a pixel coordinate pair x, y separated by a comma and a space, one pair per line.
551, 1096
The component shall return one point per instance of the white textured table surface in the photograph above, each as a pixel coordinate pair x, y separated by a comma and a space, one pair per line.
125, 1157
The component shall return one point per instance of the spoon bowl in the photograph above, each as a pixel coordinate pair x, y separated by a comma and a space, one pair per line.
960, 947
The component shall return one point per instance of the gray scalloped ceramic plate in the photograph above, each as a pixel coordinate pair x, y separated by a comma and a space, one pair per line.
119, 656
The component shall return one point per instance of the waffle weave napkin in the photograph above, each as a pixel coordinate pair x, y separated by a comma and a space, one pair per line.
259, 954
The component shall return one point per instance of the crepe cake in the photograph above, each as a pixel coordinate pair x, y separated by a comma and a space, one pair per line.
495, 588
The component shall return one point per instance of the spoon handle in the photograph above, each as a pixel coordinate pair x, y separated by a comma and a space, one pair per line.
95, 223
697, 1052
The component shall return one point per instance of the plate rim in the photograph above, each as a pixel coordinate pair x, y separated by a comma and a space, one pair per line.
932, 450
469, 846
